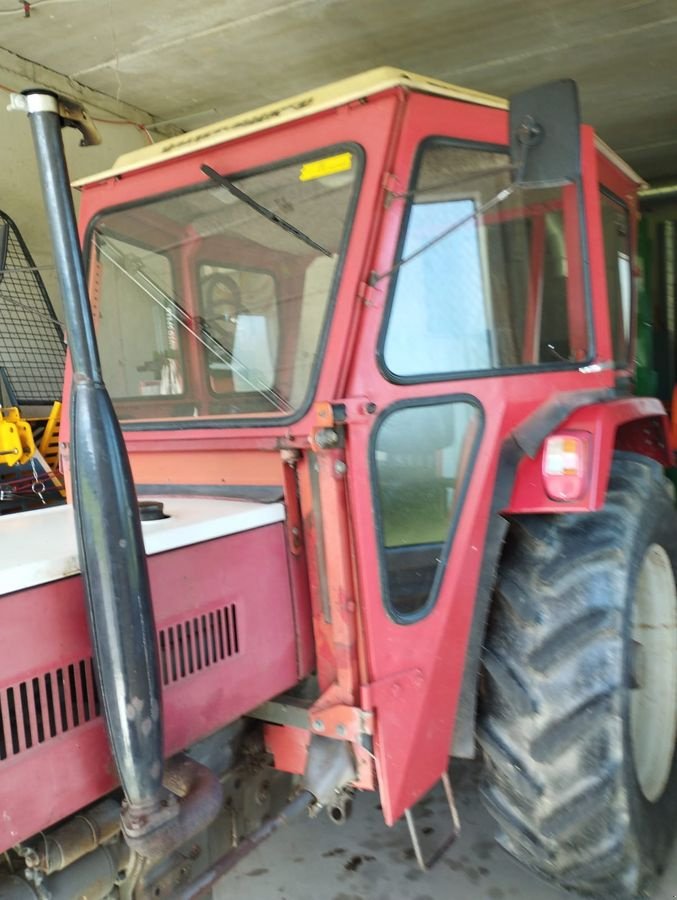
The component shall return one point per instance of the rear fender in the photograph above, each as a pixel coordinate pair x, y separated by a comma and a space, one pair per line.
637, 424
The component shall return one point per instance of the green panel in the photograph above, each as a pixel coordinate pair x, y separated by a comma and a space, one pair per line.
646, 374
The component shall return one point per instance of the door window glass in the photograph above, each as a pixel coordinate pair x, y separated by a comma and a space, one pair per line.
496, 292
422, 458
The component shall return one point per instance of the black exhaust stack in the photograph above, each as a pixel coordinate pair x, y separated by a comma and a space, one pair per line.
112, 556
110, 541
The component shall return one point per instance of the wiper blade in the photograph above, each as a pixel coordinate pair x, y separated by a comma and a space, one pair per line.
262, 210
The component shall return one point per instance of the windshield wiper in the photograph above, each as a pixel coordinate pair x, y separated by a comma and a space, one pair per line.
262, 210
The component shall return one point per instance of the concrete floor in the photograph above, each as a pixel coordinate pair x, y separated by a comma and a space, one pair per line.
364, 860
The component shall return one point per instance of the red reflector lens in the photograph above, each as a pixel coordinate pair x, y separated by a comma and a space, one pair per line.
564, 466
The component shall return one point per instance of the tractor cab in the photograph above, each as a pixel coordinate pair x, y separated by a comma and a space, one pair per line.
358, 292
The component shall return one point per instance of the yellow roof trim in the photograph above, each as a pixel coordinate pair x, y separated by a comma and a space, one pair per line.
340, 92
374, 81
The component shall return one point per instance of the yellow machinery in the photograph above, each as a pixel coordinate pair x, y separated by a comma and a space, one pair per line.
49, 440
29, 382
16, 437
39, 481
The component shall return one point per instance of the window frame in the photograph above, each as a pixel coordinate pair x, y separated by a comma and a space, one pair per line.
626, 363
459, 501
255, 420
466, 375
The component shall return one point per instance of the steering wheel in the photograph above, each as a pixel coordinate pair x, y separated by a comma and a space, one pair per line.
220, 289
222, 299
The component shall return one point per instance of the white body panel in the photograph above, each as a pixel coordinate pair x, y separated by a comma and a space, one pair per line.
40, 546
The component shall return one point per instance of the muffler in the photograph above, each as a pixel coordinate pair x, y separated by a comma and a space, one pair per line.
110, 542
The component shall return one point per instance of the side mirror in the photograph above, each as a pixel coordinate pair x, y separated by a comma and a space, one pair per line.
545, 134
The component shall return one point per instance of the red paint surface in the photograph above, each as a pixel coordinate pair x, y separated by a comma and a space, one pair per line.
45, 628
638, 424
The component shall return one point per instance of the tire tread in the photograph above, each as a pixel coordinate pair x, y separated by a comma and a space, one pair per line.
551, 716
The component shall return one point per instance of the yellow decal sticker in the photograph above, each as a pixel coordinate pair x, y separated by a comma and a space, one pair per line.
318, 168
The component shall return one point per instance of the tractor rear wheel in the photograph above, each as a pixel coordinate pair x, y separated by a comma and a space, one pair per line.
579, 707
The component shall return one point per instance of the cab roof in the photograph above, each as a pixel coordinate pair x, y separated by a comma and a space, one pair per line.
329, 96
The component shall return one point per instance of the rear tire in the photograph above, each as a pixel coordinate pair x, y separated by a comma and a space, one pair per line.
581, 796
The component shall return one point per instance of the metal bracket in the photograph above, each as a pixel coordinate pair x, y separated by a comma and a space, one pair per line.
343, 411
323, 717
71, 113
425, 864
283, 711
371, 295
344, 722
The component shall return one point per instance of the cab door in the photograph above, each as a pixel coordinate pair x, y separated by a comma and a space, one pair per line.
448, 362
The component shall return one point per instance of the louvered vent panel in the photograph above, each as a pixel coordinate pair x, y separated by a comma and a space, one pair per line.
197, 643
36, 710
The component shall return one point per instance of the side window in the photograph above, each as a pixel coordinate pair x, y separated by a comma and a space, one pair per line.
422, 456
616, 228
238, 310
488, 286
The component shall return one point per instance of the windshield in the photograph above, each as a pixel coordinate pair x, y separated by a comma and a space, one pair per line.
206, 307
488, 275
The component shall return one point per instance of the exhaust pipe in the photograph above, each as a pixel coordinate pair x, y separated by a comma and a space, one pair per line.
110, 542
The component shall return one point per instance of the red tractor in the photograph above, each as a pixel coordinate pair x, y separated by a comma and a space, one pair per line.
380, 489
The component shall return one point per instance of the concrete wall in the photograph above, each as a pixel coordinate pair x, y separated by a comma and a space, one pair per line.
20, 194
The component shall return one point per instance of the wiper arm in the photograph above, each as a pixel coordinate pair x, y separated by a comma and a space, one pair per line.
476, 213
475, 174
179, 315
262, 210
214, 345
